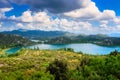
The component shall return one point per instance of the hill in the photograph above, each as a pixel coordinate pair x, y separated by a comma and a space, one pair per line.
59, 65
8, 40
37, 34
96, 39
59, 37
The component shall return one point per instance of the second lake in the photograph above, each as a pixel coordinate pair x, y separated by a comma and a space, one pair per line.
86, 48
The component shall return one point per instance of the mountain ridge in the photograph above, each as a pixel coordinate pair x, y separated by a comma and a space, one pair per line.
31, 34
59, 37
10, 40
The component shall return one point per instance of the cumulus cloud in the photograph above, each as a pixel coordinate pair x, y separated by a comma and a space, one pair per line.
2, 12
26, 17
107, 15
80, 16
29, 17
91, 12
102, 22
54, 6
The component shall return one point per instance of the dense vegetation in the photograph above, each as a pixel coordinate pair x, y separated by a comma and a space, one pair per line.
96, 39
61, 64
59, 37
36, 34
7, 40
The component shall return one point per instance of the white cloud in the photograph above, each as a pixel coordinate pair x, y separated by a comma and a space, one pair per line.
91, 11
42, 21
26, 17
104, 22
1, 24
41, 17
20, 25
2, 12
87, 20
116, 20
107, 15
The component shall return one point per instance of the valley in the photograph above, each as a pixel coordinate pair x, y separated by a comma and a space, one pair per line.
59, 37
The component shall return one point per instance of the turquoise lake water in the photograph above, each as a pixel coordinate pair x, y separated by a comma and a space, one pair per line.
13, 50
87, 48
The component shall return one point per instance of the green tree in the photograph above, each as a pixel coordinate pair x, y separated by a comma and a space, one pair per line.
59, 69
114, 53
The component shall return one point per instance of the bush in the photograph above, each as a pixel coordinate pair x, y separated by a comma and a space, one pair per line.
84, 61
59, 69
41, 76
114, 53
68, 49
80, 52
98, 68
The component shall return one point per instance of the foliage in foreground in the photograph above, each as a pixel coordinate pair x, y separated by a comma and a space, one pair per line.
59, 69
59, 65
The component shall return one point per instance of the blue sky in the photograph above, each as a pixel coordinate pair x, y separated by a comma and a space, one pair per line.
17, 10
101, 4
77, 16
111, 5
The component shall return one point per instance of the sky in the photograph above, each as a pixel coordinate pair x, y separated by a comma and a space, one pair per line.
76, 16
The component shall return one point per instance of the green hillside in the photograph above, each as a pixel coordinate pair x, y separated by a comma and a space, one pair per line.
96, 39
7, 40
59, 65
59, 37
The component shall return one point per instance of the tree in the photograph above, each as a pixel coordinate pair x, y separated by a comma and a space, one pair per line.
114, 52
59, 69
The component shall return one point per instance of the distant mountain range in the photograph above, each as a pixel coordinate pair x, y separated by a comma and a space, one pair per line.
59, 37
95, 39
37, 34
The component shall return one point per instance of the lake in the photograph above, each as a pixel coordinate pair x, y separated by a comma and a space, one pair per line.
13, 50
87, 48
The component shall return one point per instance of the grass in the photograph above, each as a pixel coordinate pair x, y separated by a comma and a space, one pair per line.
27, 64
38, 59
2, 51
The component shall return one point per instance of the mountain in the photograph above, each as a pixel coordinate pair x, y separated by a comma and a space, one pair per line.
59, 37
37, 34
98, 39
9, 40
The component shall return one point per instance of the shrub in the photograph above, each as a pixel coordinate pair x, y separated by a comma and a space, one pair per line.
84, 61
114, 53
41, 76
59, 69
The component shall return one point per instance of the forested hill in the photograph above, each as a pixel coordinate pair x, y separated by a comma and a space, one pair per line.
96, 39
59, 37
37, 34
7, 40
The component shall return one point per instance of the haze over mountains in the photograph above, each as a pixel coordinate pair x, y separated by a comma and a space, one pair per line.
38, 34
59, 37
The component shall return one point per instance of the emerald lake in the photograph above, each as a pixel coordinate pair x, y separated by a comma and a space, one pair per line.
13, 50
86, 48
